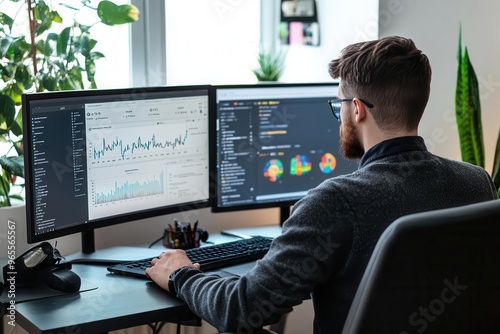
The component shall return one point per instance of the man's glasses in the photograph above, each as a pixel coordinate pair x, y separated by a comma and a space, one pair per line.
336, 104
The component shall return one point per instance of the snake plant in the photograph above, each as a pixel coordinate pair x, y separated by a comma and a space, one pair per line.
468, 115
468, 110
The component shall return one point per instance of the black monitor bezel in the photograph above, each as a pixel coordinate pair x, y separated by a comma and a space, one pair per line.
28, 98
283, 205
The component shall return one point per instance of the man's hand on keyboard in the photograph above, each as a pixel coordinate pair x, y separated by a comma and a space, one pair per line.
165, 264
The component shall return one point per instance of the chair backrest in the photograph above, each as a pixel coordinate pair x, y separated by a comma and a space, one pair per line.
433, 272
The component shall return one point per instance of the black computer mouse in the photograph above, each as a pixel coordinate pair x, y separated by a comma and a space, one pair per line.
63, 280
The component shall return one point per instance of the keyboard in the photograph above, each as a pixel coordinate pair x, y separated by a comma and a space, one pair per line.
209, 257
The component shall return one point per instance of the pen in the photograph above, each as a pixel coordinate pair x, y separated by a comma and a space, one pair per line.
195, 235
188, 234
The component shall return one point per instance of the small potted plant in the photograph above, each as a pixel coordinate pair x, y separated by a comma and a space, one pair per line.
271, 65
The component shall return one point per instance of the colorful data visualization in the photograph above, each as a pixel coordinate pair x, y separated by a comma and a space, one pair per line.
273, 170
328, 163
300, 165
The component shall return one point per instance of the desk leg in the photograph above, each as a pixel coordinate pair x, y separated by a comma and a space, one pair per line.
279, 327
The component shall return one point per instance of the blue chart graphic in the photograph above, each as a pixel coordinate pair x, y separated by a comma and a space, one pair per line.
138, 144
129, 190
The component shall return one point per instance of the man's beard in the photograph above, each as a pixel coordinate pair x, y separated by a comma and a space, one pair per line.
349, 140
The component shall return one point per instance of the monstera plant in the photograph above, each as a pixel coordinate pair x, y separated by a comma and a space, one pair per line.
55, 53
468, 115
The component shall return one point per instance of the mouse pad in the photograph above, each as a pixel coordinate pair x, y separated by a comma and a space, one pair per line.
39, 290
237, 269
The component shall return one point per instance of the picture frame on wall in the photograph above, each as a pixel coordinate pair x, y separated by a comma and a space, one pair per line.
299, 23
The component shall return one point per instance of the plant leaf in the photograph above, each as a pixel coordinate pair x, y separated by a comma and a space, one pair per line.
496, 165
18, 48
48, 82
14, 91
270, 66
4, 190
90, 69
24, 76
44, 16
6, 20
7, 112
5, 43
56, 17
468, 111
112, 14
17, 129
62, 41
96, 55
13, 165
76, 78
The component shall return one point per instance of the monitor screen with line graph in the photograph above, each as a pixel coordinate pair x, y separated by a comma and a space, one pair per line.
95, 158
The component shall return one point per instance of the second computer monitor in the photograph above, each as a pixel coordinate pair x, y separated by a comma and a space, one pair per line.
273, 143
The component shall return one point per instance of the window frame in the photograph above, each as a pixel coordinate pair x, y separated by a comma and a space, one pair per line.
148, 45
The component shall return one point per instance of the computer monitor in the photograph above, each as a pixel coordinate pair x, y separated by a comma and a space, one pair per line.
273, 143
95, 158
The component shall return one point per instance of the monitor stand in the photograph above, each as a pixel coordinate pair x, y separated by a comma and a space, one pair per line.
246, 233
88, 242
284, 214
111, 255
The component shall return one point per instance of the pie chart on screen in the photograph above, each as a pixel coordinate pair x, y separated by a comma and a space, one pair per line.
273, 170
328, 163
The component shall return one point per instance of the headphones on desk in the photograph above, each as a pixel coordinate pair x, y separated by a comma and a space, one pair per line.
203, 234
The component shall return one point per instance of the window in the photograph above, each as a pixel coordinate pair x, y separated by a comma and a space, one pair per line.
218, 41
210, 42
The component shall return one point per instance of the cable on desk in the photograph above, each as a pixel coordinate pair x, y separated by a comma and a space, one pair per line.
154, 242
156, 327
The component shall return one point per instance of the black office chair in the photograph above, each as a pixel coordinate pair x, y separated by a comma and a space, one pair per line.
433, 272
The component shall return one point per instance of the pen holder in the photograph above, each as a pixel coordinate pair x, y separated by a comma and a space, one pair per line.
183, 236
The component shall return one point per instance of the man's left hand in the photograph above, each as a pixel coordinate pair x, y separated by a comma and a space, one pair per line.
165, 264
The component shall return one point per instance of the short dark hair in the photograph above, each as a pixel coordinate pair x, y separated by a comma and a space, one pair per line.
390, 73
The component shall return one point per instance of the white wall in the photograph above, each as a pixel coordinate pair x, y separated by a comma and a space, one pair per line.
434, 26
214, 44
341, 23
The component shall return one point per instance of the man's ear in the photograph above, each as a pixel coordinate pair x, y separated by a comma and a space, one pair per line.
359, 110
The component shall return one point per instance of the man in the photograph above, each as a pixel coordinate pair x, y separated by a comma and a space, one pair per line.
328, 239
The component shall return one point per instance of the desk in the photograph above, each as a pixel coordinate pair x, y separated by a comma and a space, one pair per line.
118, 302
